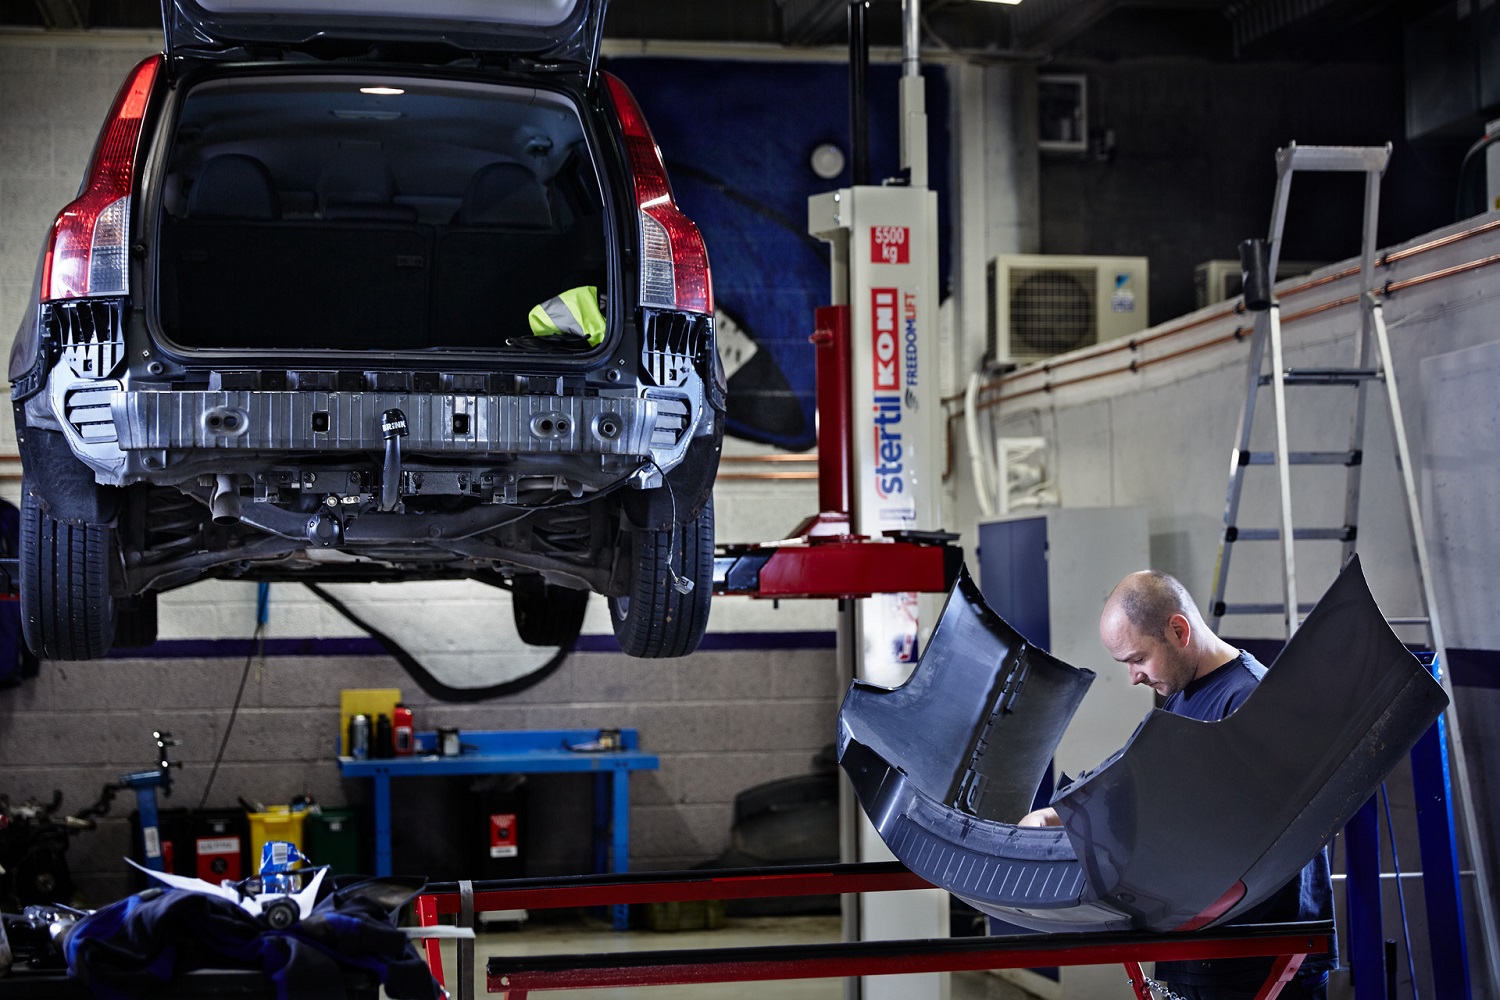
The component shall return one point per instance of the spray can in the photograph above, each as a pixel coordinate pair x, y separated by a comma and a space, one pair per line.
401, 722
383, 746
359, 736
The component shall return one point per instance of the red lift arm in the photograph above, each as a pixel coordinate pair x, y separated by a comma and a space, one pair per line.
822, 558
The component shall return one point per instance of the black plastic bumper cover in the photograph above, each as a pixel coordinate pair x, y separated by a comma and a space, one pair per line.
1189, 825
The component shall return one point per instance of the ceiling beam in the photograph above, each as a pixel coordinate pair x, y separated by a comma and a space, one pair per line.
1045, 25
63, 15
811, 22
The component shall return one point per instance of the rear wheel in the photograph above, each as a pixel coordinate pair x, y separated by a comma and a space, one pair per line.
655, 618
135, 621
546, 614
67, 612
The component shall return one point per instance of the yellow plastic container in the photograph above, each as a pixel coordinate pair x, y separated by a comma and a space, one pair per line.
276, 823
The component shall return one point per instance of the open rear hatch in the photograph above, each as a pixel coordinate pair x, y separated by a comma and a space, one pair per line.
554, 31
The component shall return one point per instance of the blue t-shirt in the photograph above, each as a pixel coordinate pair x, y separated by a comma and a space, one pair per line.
1307, 896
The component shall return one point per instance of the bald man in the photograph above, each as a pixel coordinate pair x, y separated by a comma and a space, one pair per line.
1151, 625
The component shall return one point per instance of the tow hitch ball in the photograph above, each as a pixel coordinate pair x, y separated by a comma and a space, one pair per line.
393, 425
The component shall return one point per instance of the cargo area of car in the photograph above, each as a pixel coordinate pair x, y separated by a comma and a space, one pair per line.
347, 213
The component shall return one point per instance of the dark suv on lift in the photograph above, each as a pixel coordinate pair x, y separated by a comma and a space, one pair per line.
285, 333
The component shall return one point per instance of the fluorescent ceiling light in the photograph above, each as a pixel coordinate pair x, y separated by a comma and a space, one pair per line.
394, 91
1011, 2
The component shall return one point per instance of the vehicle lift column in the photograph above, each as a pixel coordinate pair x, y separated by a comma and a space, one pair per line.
885, 287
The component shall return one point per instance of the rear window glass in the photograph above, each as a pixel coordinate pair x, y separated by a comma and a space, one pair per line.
357, 212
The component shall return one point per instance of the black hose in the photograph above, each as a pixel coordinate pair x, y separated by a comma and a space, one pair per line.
429, 684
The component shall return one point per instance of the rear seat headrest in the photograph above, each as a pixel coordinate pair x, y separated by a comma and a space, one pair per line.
355, 176
505, 194
233, 186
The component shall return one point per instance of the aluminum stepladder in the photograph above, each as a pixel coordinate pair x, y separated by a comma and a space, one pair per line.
1432, 772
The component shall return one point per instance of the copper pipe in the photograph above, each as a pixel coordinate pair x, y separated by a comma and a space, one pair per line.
1385, 260
1347, 300
1447, 272
810, 456
1389, 288
1120, 344
1238, 334
768, 475
1442, 241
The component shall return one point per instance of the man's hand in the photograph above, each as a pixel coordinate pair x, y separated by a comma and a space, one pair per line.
1046, 816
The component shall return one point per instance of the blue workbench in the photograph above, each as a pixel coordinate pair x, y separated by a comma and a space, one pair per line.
538, 751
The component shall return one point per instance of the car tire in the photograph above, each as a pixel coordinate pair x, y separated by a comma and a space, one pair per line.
67, 612
547, 614
135, 621
654, 619
280, 914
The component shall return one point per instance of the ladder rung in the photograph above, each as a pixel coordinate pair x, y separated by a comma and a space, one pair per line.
1325, 376
1343, 533
1221, 609
1354, 457
1413, 620
1353, 158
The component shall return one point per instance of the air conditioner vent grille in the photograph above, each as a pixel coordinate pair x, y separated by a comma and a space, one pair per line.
1052, 310
1041, 305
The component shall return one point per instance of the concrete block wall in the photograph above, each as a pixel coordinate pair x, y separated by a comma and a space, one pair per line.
720, 721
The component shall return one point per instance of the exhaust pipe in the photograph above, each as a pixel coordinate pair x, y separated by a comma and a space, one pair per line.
224, 501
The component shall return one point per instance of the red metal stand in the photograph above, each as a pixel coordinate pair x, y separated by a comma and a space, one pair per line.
514, 977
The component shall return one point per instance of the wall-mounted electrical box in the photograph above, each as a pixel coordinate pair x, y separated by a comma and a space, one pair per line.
1062, 113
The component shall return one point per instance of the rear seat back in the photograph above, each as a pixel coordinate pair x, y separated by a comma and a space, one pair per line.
502, 255
357, 279
366, 275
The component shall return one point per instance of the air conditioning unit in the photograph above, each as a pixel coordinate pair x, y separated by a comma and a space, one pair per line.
1045, 304
1221, 280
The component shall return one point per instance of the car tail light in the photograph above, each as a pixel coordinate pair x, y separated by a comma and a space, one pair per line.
674, 261
88, 252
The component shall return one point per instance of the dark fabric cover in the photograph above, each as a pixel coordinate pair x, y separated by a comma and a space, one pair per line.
128, 949
234, 186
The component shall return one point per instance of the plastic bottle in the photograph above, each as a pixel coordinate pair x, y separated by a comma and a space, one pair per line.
383, 745
402, 724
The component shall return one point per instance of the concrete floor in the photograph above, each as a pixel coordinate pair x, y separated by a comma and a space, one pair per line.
583, 937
